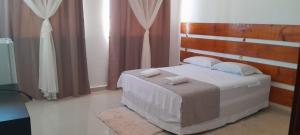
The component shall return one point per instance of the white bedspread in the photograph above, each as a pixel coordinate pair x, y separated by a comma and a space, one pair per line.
143, 94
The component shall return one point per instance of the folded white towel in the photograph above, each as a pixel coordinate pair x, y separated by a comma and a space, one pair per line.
150, 72
177, 80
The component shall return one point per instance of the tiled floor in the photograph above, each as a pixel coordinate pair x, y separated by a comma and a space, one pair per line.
78, 116
271, 121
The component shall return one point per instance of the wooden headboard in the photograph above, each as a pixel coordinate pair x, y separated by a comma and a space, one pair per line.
271, 48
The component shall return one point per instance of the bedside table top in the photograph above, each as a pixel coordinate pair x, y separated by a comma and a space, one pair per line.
11, 107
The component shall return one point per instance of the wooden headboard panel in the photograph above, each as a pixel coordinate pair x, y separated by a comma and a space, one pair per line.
271, 48
259, 31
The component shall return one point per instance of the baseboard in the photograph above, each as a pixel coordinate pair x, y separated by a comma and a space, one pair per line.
282, 107
98, 88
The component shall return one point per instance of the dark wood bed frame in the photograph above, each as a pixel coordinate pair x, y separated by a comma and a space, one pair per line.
295, 117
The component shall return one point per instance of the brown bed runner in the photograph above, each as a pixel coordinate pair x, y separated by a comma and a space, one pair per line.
200, 100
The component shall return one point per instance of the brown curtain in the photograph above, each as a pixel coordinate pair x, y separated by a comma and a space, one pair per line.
68, 35
126, 39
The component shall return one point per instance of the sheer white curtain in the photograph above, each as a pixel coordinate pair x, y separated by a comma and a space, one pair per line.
48, 82
145, 12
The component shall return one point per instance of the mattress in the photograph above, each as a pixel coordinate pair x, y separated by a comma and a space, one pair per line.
239, 97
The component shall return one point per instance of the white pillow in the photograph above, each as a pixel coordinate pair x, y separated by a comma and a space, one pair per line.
236, 68
150, 72
202, 61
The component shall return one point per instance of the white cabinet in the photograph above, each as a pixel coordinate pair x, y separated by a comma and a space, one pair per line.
7, 62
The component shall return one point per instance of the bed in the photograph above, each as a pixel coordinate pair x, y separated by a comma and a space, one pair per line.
240, 96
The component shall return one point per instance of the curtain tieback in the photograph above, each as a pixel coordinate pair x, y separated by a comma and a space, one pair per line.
46, 27
146, 35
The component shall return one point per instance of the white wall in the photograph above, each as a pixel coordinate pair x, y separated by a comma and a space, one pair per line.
242, 11
174, 58
96, 20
